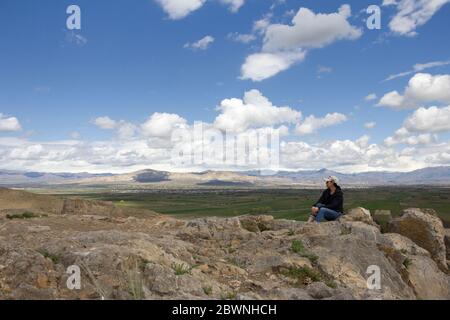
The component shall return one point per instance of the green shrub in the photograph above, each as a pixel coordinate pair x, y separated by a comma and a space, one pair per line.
302, 274
24, 215
207, 290
55, 258
407, 262
298, 247
228, 296
181, 269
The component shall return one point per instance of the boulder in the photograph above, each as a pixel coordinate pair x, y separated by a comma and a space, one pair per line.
347, 258
425, 229
359, 214
428, 282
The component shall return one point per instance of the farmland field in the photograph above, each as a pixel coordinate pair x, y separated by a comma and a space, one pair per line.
284, 203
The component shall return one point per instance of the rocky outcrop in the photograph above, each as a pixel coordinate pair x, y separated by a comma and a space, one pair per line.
425, 229
359, 214
249, 257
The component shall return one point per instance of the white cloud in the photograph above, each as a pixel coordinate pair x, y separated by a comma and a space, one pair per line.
431, 119
371, 97
392, 99
162, 125
179, 9
242, 38
124, 129
260, 26
261, 66
253, 111
310, 30
412, 14
8, 123
419, 67
421, 127
234, 5
75, 135
201, 44
415, 145
313, 124
422, 88
412, 140
105, 123
370, 125
284, 45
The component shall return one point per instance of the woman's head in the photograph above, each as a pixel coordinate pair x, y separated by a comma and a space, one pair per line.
331, 182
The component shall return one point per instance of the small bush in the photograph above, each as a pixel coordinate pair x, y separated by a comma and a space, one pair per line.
181, 269
228, 296
298, 247
55, 258
303, 274
236, 262
407, 262
24, 215
207, 290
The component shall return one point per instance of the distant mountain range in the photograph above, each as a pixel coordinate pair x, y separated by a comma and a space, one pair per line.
248, 179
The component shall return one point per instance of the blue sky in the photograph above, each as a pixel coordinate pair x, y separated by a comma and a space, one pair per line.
132, 60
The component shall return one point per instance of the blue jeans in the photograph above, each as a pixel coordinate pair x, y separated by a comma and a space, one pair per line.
327, 214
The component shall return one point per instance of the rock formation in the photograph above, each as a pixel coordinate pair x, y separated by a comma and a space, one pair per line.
152, 256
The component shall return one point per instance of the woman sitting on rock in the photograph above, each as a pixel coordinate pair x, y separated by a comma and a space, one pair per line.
330, 206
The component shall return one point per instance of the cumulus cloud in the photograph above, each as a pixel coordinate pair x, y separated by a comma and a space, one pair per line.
415, 145
421, 127
284, 45
313, 124
179, 9
105, 123
201, 44
124, 129
261, 66
162, 125
9, 124
411, 140
422, 88
412, 14
431, 119
310, 30
253, 111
